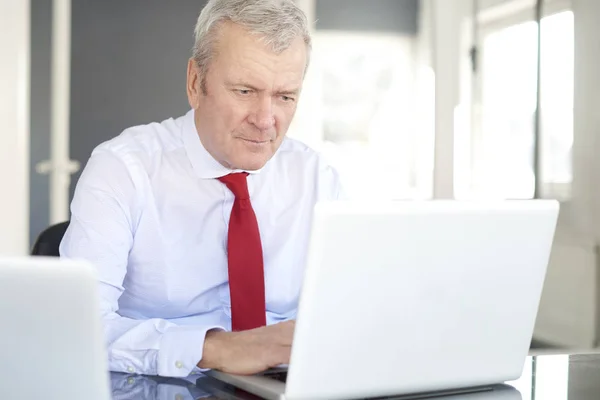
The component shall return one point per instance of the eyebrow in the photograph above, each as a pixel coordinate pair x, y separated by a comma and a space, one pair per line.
293, 91
241, 83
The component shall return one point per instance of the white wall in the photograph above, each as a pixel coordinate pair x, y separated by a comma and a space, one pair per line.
586, 204
570, 308
14, 132
587, 118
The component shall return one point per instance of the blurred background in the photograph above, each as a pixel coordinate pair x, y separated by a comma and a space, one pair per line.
409, 99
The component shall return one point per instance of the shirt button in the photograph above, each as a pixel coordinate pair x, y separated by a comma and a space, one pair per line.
179, 397
131, 381
179, 364
130, 369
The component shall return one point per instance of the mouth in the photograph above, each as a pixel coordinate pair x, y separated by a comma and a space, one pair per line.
255, 142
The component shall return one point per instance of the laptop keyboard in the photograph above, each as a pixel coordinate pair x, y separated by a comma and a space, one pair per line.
280, 376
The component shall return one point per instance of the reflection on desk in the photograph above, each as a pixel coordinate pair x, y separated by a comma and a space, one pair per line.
548, 377
139, 387
561, 376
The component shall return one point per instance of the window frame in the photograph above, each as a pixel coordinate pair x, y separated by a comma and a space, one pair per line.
490, 20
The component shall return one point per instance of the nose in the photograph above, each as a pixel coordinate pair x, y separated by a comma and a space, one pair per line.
262, 116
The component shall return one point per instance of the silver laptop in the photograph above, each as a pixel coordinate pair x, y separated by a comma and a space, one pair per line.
51, 341
414, 297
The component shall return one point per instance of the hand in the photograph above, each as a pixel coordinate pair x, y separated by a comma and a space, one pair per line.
248, 352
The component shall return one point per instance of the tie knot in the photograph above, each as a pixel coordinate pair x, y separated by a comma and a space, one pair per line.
237, 184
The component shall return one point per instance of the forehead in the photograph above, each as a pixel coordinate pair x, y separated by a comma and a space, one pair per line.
241, 56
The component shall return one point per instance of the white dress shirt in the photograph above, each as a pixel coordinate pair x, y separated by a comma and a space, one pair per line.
151, 216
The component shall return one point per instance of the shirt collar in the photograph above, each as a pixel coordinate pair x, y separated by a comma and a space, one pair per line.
205, 166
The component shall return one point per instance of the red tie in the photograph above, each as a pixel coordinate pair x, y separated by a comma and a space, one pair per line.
245, 259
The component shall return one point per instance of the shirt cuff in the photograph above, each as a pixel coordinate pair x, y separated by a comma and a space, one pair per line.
181, 350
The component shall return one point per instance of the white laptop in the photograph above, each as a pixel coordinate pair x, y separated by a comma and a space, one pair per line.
51, 341
414, 297
220, 389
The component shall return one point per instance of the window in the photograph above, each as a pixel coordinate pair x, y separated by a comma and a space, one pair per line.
502, 138
368, 107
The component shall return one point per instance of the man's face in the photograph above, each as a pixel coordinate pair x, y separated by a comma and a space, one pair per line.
250, 100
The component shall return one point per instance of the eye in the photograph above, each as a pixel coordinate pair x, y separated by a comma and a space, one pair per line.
244, 92
288, 99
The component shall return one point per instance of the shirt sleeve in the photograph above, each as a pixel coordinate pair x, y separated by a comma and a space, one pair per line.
102, 227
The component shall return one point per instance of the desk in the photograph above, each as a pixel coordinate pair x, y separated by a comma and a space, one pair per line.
545, 377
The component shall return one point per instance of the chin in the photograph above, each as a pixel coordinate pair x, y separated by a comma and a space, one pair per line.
251, 156
253, 165
252, 161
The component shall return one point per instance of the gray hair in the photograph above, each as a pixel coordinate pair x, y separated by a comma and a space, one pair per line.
276, 22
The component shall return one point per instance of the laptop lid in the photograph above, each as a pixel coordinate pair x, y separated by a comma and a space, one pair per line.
411, 297
51, 341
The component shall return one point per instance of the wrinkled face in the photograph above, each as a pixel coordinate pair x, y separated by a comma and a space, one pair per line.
250, 98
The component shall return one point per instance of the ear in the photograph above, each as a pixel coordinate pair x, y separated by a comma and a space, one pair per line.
193, 83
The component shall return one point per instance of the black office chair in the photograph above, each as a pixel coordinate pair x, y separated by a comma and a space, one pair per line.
48, 241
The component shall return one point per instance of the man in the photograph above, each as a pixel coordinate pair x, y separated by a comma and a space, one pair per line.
198, 226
